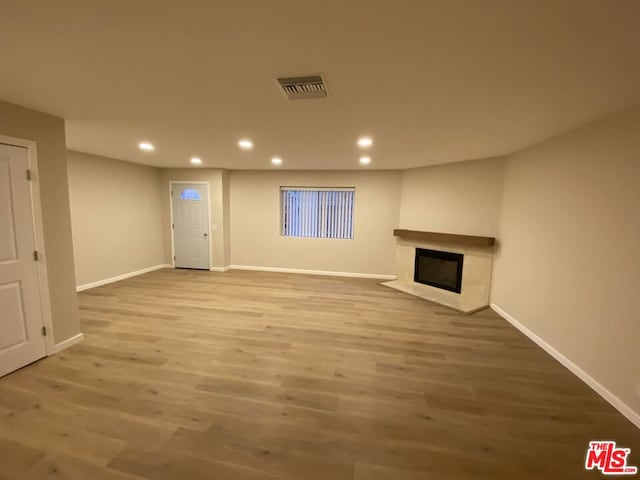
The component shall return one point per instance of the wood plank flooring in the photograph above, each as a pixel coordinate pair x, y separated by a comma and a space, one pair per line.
248, 375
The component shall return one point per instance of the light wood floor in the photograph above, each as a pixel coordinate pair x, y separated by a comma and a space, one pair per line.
245, 375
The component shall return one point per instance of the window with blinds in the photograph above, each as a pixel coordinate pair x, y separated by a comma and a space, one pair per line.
317, 212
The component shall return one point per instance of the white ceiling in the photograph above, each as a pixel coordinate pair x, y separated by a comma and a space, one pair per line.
430, 81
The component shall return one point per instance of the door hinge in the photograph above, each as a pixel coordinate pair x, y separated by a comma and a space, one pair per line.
36, 255
44, 331
173, 226
174, 257
29, 174
171, 192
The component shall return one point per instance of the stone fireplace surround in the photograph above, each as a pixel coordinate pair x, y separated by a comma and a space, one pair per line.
476, 270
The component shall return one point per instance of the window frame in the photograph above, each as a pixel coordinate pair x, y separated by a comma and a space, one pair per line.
284, 188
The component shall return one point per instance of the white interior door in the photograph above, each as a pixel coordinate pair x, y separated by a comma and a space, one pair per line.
191, 225
21, 339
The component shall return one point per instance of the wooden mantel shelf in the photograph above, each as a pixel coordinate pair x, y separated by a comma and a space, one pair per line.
471, 240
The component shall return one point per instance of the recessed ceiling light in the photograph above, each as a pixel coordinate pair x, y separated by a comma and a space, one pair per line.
146, 146
365, 160
365, 142
196, 160
276, 161
245, 144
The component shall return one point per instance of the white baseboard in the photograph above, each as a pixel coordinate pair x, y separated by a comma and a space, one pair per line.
58, 347
106, 281
312, 272
618, 404
220, 269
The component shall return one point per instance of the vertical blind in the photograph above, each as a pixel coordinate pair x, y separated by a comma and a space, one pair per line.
317, 212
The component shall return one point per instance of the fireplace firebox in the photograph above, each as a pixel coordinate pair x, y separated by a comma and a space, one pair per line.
439, 269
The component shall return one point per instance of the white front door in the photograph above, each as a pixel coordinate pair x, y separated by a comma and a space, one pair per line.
191, 225
21, 339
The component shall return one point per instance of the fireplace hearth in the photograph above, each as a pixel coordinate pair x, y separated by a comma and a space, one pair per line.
446, 268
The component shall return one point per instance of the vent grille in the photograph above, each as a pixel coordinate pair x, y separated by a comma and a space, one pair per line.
296, 88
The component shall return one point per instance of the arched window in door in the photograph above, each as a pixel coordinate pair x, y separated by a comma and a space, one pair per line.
189, 194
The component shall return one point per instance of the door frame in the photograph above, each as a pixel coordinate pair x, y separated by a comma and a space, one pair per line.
38, 232
171, 229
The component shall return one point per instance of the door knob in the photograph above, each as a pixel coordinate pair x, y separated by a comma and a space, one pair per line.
206, 234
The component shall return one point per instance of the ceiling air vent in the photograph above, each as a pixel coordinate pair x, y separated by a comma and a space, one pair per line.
295, 88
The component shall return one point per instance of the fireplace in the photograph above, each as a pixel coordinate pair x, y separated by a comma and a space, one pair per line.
427, 268
439, 269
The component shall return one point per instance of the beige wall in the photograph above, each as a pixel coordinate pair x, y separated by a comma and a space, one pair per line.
116, 215
226, 217
218, 185
462, 198
255, 222
568, 268
48, 132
